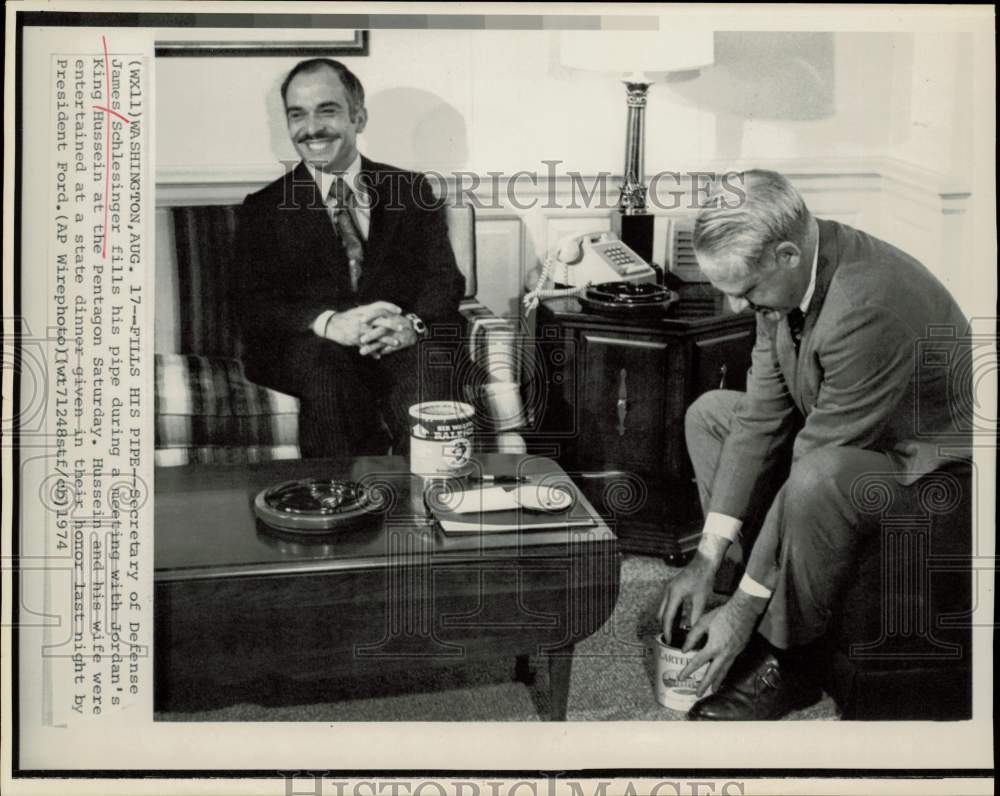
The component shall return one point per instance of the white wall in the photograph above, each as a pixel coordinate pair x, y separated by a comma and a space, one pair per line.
933, 97
499, 100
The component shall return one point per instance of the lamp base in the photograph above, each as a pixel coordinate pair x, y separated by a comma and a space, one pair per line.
635, 231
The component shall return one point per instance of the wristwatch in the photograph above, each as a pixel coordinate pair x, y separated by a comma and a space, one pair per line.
418, 325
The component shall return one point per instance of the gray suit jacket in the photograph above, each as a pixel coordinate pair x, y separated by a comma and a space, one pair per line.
882, 365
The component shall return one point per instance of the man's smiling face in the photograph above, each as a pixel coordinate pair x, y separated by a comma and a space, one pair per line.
320, 123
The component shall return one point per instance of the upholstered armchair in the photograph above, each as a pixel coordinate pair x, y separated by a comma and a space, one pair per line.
208, 412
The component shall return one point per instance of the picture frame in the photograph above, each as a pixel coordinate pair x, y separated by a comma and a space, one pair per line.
249, 42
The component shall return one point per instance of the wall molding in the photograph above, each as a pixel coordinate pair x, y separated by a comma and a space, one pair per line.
189, 184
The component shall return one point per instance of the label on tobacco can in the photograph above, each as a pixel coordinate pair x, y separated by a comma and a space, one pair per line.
440, 437
672, 692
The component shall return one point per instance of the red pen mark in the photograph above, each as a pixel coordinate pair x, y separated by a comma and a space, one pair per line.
108, 110
107, 144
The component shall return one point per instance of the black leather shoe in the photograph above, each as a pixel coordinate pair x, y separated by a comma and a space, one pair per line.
759, 687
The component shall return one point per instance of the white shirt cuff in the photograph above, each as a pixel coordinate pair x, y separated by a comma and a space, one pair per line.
722, 525
753, 588
319, 325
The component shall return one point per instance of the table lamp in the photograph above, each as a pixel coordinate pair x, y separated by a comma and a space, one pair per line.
639, 58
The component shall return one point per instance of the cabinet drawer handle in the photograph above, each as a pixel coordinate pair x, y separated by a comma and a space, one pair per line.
622, 403
723, 371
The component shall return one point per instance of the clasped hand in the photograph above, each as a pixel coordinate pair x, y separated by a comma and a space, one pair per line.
374, 329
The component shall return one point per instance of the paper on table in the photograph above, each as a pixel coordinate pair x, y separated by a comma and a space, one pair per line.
497, 498
497, 510
513, 522
494, 498
541, 497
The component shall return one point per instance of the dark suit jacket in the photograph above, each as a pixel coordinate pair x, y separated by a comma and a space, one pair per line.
294, 267
862, 377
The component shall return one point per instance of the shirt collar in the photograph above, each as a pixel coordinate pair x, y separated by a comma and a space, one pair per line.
351, 176
804, 305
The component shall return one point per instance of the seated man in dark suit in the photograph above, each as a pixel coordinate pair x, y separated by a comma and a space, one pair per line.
347, 264
836, 393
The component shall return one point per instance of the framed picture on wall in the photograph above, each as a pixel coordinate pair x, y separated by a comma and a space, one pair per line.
285, 42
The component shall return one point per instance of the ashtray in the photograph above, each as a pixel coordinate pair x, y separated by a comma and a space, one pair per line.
628, 299
319, 506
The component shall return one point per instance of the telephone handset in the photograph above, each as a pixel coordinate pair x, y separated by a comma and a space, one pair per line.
580, 261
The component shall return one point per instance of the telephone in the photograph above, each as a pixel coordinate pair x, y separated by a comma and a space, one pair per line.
581, 261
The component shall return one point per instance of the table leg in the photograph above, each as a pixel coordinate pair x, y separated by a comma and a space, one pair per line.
522, 670
560, 665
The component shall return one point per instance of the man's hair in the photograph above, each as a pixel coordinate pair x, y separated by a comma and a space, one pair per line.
355, 91
741, 223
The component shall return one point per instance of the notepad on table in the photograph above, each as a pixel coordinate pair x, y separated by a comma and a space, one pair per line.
500, 510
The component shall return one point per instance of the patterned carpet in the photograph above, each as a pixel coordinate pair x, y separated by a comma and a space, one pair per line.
611, 681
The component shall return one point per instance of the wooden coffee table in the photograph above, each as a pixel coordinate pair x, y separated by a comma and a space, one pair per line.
235, 602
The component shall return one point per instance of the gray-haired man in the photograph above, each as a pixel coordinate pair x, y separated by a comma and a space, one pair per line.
835, 392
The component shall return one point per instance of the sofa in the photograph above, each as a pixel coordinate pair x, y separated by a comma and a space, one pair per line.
208, 412
901, 647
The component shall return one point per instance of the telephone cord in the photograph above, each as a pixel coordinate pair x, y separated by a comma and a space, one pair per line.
532, 298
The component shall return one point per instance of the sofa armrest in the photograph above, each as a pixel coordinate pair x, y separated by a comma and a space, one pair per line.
494, 349
208, 412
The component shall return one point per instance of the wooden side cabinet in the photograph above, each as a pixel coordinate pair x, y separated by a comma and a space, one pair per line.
612, 410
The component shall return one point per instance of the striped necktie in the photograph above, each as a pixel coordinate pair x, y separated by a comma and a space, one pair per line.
339, 204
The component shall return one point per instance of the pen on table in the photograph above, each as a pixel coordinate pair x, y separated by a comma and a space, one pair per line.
488, 478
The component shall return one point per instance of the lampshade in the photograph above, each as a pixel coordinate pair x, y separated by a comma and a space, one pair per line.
648, 53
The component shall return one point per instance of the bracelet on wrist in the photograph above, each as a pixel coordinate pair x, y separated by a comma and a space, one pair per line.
418, 326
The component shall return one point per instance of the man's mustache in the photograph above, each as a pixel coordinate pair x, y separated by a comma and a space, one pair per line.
305, 138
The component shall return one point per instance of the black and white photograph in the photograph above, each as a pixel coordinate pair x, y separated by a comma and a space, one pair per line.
503, 389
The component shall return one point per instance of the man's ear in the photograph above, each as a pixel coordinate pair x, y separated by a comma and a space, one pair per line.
788, 254
362, 119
